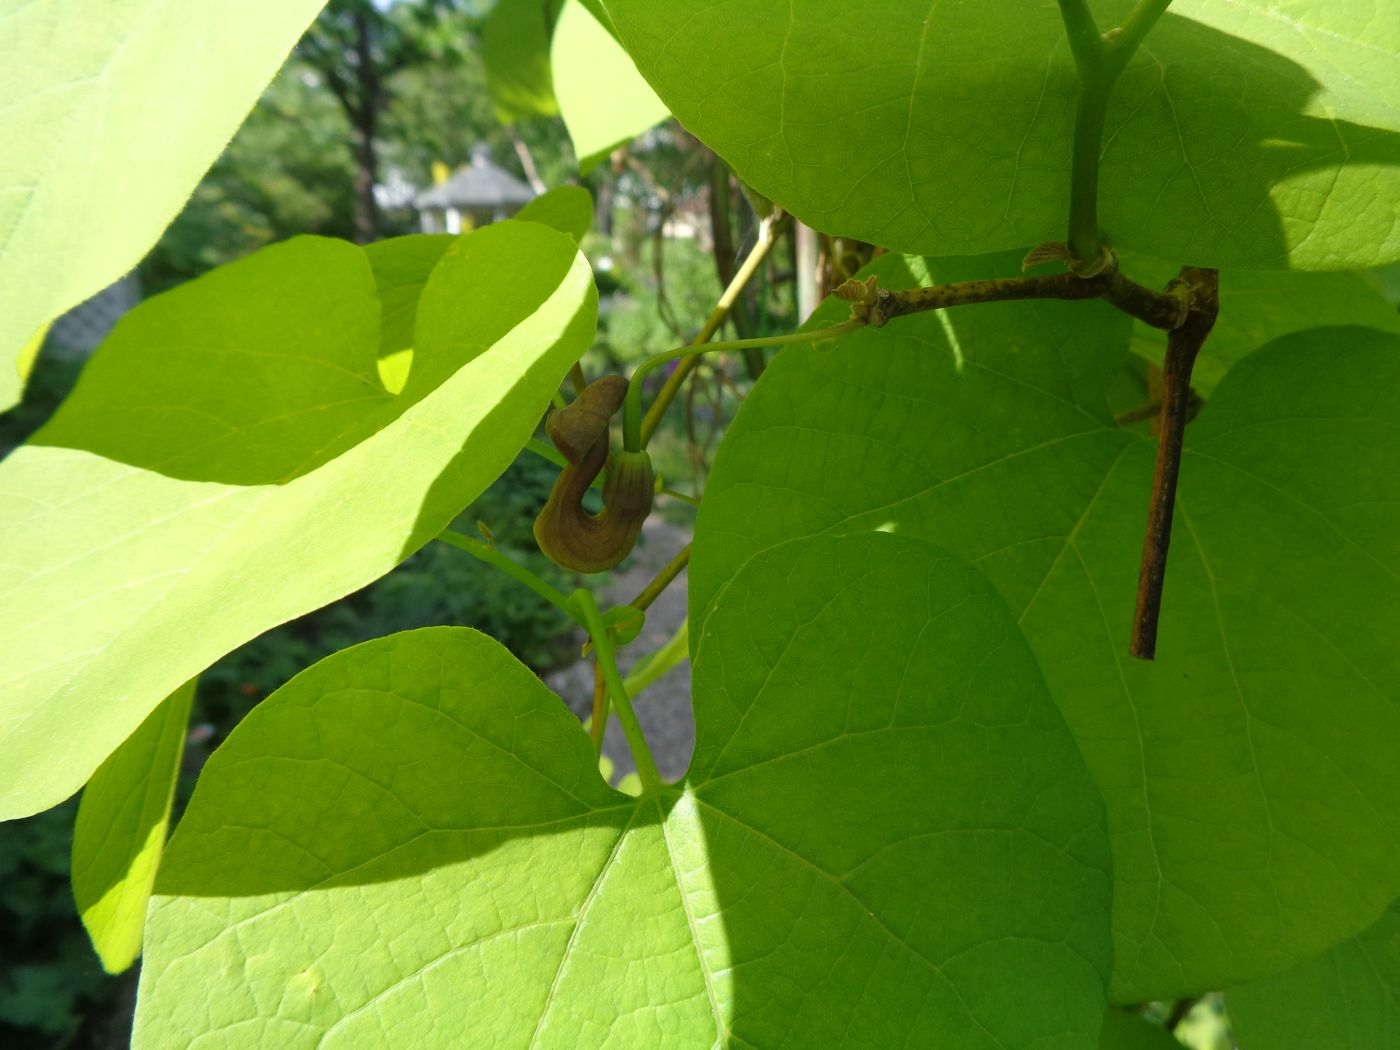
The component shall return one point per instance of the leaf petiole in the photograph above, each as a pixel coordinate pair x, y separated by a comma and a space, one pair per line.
768, 231
592, 620
1100, 58
492, 556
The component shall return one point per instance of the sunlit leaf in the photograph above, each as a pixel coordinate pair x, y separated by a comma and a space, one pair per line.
515, 53
604, 100
886, 839
121, 828
110, 114
1255, 133
230, 460
1249, 772
568, 209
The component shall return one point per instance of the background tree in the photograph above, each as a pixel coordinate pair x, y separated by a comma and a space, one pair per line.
357, 47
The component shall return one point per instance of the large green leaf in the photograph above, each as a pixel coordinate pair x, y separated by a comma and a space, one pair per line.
1254, 133
230, 460
110, 114
1262, 306
886, 839
604, 100
120, 830
1349, 999
1249, 771
1127, 1031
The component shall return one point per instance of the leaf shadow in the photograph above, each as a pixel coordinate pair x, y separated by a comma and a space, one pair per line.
872, 825
1239, 150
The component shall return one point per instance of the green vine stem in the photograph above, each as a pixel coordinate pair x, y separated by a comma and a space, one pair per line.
1100, 58
598, 723
491, 556
644, 673
634, 432
606, 653
768, 231
663, 579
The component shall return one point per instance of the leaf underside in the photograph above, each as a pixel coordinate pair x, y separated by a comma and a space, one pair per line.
604, 101
886, 838
121, 827
111, 115
1349, 999
231, 459
1249, 771
1246, 134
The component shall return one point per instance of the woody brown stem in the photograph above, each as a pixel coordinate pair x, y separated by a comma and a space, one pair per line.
1183, 344
1160, 309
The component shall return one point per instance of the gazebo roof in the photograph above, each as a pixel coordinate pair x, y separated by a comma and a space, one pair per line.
481, 184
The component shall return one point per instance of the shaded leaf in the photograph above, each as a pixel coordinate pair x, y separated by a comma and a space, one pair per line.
1256, 133
401, 267
568, 209
230, 460
1128, 1031
1249, 771
110, 116
1349, 999
121, 828
1260, 306
886, 838
515, 53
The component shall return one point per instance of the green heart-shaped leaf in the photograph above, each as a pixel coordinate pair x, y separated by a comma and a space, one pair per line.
1249, 771
886, 839
231, 460
1255, 133
1262, 306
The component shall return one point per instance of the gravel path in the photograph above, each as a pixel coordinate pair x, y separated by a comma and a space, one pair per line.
664, 709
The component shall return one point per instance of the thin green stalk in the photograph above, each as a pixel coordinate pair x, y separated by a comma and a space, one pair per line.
648, 670
489, 554
768, 231
663, 579
606, 655
684, 497
634, 436
545, 450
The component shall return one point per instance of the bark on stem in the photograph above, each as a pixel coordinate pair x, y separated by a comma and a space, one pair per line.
1183, 344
